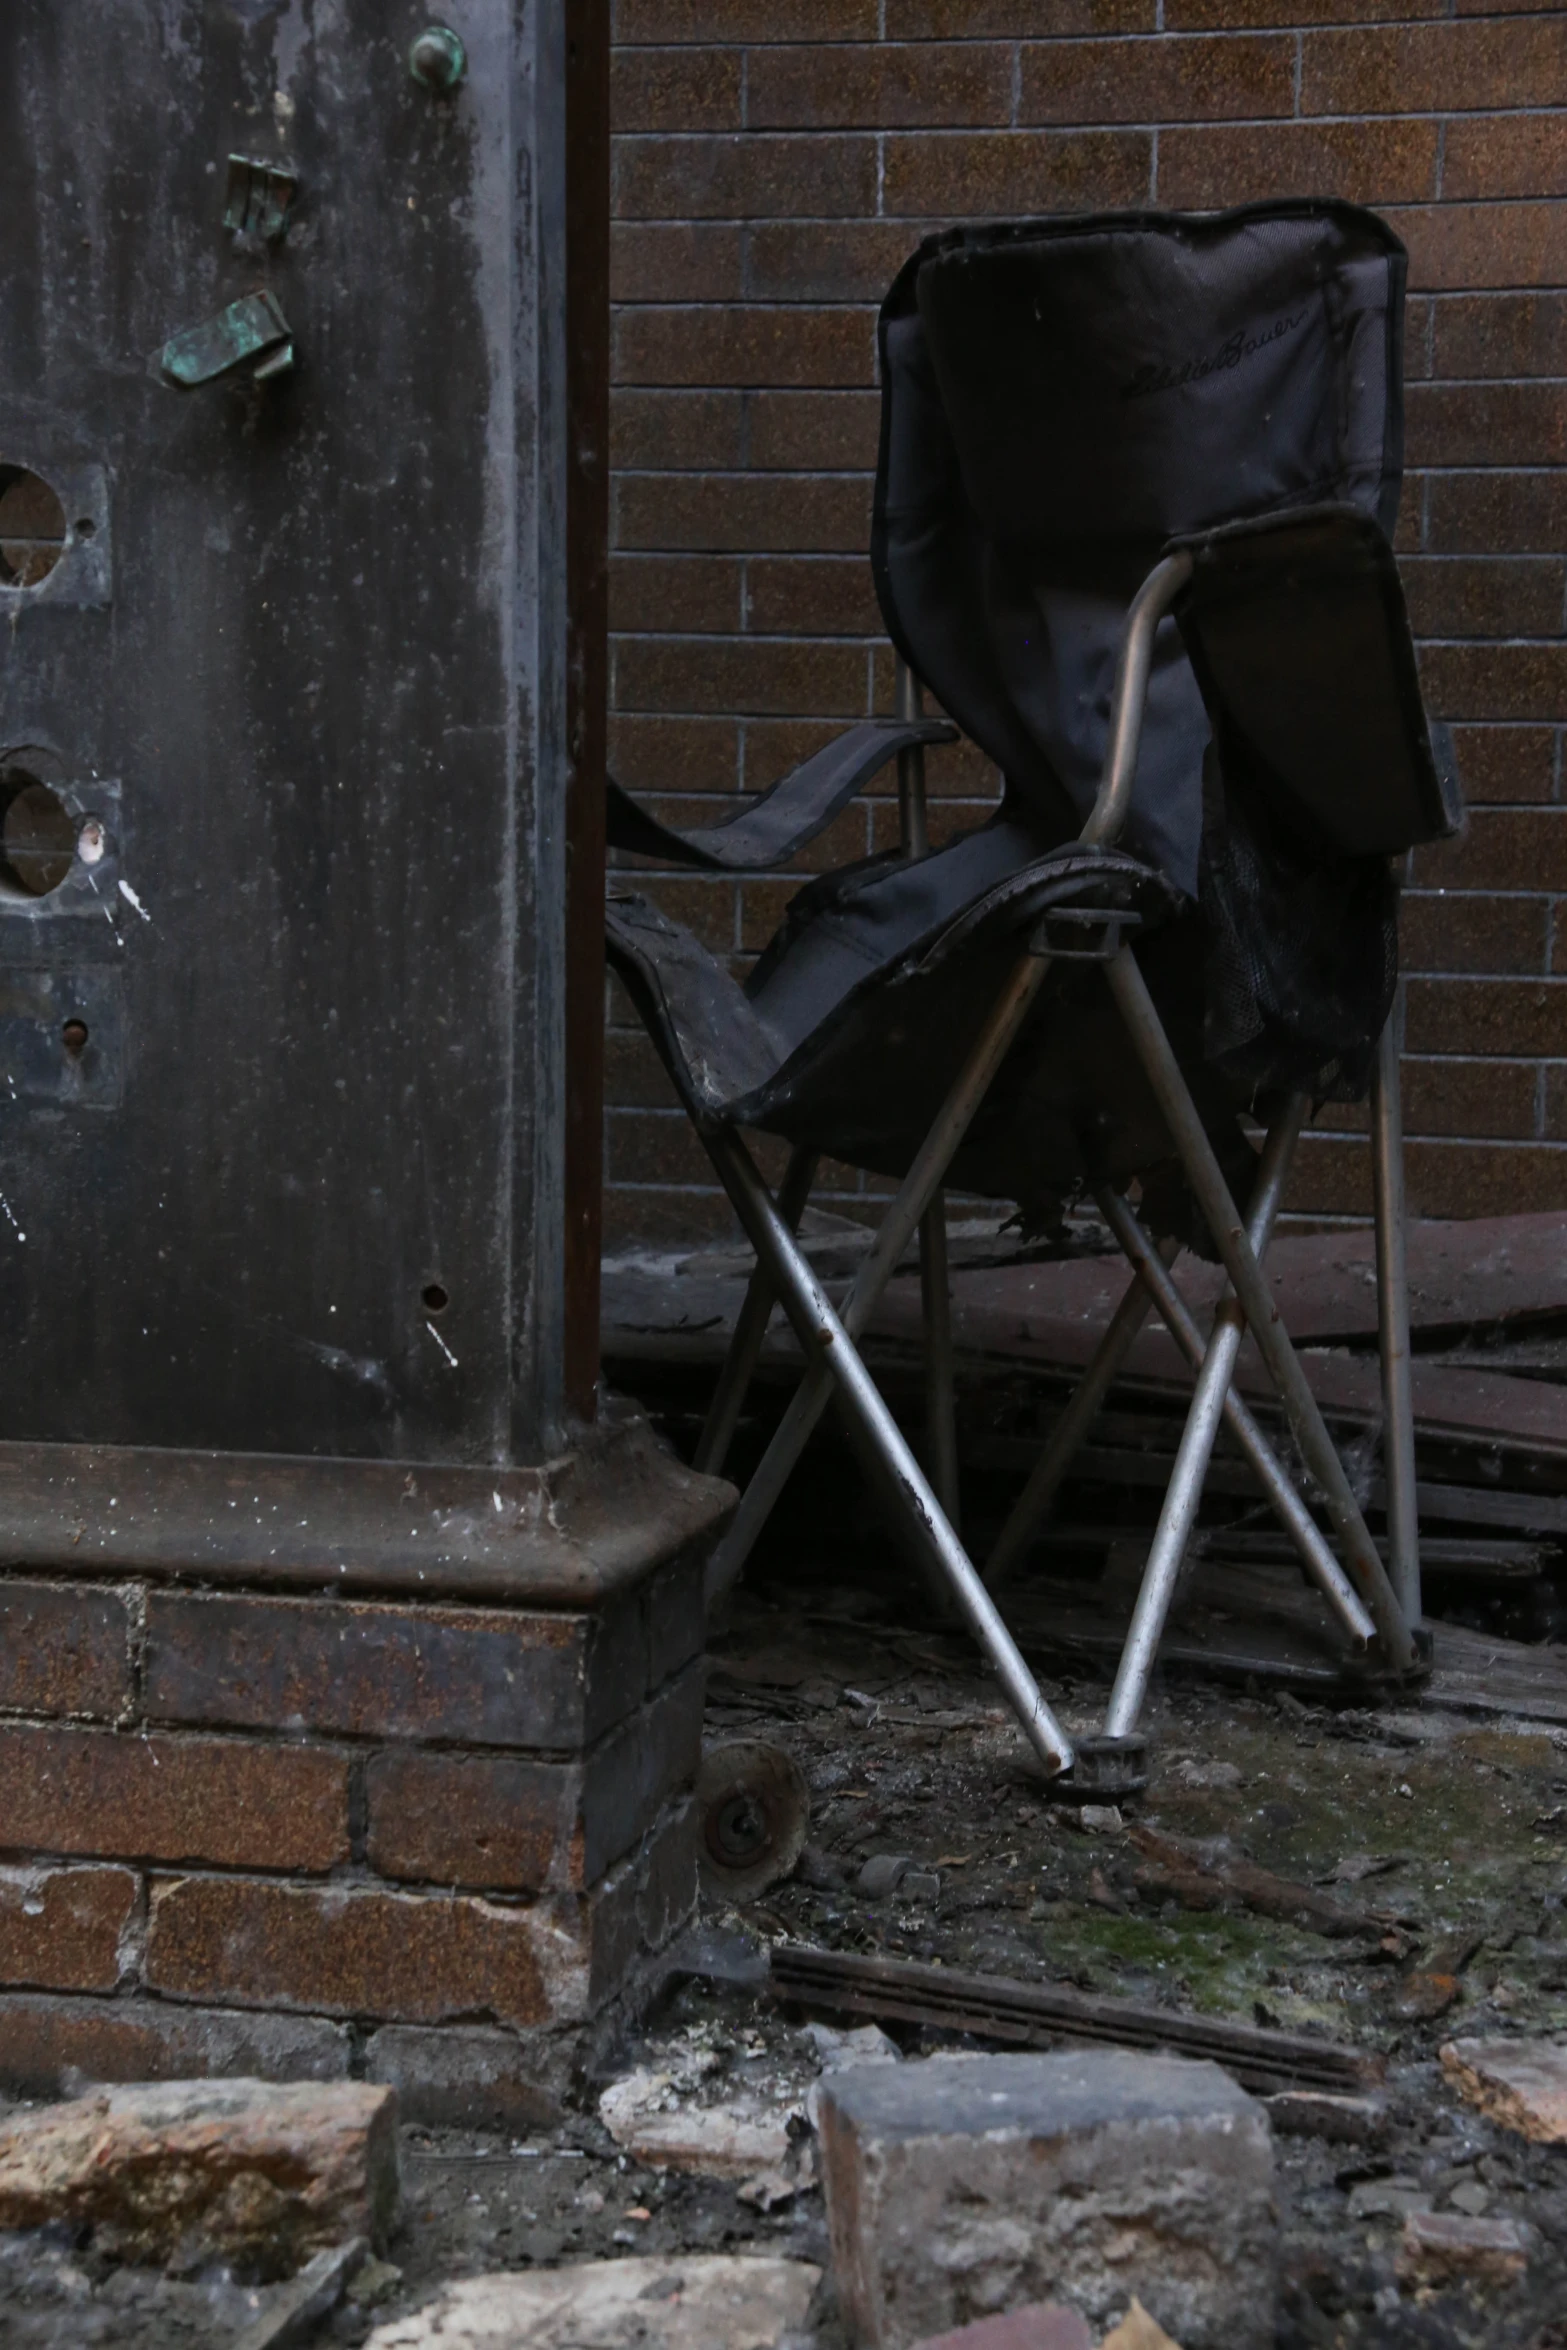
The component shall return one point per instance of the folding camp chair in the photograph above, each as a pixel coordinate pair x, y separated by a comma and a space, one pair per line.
1136, 477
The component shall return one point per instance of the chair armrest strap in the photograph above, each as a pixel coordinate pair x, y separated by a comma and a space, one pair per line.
778, 825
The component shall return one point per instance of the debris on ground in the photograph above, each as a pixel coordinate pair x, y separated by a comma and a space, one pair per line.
712, 2302
1520, 2083
296, 2309
1035, 2325
1138, 2331
959, 2185
1438, 2246
248, 2175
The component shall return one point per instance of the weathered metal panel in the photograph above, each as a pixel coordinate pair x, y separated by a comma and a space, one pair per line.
314, 629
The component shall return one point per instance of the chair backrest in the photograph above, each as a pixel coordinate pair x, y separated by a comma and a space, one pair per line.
1062, 397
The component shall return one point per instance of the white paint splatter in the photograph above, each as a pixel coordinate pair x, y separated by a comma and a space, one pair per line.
441, 1343
131, 899
15, 1227
500, 1506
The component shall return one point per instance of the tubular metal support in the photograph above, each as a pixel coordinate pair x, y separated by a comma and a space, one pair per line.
1133, 663
1286, 1503
827, 1344
745, 1347
1256, 1300
913, 1197
941, 1400
1183, 1496
1066, 1438
1398, 1409
913, 830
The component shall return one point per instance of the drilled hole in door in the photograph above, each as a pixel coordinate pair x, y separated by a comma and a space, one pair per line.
32, 527
37, 836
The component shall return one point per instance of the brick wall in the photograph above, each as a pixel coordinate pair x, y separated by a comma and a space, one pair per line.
311, 1837
775, 161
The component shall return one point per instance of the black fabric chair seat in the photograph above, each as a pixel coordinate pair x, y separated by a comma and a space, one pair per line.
853, 1025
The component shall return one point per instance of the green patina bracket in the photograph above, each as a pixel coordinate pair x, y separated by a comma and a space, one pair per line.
251, 333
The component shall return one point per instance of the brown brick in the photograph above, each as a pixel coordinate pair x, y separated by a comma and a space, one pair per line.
1161, 80
826, 260
812, 432
1509, 764
124, 1797
64, 1649
825, 515
1456, 1097
1419, 311
1437, 67
1409, 529
773, 746
1469, 1097
983, 172
1495, 681
747, 178
1371, 162
968, 20
1486, 424
342, 1951
1236, 15
1461, 248
1501, 848
1555, 1120
1503, 1016
695, 754
1499, 334
675, 261
881, 86
685, 89
744, 20
1444, 1179
703, 905
60, 1929
675, 431
761, 676
1505, 155
777, 344
506, 1825
486, 1676
811, 596
634, 1076
651, 1146
48, 2045
1497, 513
651, 1217
686, 593
1456, 933
1458, 595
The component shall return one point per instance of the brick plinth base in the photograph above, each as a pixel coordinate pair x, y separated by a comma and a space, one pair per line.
303, 1834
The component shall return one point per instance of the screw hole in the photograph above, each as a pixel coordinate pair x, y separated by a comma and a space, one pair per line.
86, 528
74, 1036
436, 1299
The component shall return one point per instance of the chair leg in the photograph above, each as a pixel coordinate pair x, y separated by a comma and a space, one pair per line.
1065, 1441
829, 1348
941, 1401
1183, 1496
750, 1331
1296, 1519
1398, 1411
912, 1198
1256, 1303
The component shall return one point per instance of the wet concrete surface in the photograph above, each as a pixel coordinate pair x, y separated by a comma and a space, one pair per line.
1449, 1834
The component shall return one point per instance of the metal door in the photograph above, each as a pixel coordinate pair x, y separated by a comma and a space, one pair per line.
282, 704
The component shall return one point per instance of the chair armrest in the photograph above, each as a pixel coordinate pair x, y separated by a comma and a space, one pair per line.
1129, 699
777, 826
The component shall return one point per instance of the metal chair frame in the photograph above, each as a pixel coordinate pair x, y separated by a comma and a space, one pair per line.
1367, 1603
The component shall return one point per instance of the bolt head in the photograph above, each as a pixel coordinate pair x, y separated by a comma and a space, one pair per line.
438, 60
